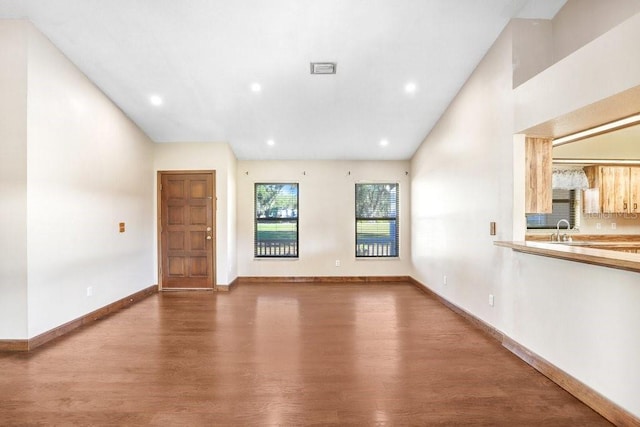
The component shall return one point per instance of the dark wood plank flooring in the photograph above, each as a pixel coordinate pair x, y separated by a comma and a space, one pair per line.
282, 354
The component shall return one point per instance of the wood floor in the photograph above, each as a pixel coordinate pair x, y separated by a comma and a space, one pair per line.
282, 354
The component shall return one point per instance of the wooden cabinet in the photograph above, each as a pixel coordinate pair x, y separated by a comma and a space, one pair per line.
618, 187
538, 175
634, 190
614, 189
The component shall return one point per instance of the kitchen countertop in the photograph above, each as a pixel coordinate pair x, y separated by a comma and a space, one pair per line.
596, 244
599, 238
579, 252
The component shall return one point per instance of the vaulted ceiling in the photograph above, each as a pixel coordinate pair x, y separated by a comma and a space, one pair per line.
238, 71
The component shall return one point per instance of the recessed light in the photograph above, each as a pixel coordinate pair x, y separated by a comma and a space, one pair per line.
155, 100
410, 88
384, 143
271, 143
255, 87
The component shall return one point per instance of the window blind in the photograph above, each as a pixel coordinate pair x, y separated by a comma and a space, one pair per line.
565, 205
376, 213
276, 220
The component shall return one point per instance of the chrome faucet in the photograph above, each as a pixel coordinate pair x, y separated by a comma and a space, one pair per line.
558, 228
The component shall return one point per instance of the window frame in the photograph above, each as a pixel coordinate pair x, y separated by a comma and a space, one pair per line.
282, 252
394, 251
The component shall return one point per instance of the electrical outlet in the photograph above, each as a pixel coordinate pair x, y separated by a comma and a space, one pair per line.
444, 279
491, 300
89, 291
613, 225
598, 226
337, 263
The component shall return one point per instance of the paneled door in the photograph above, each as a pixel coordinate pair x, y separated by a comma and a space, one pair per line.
187, 230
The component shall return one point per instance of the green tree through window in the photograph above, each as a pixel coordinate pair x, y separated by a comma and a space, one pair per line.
276, 220
377, 220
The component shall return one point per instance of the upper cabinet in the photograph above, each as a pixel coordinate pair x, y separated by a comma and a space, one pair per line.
538, 175
614, 189
634, 190
618, 187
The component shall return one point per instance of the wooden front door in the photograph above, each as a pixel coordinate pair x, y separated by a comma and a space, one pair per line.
187, 230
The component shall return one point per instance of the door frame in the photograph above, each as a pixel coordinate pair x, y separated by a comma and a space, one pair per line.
214, 207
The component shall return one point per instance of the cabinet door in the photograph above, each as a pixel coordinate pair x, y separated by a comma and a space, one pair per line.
614, 189
634, 190
538, 177
591, 196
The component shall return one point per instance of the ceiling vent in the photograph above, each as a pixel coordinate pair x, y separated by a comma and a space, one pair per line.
323, 67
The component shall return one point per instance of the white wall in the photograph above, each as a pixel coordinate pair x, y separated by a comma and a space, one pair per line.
462, 180
326, 217
88, 168
581, 318
207, 156
581, 21
13, 180
537, 44
232, 217
605, 223
532, 48
606, 66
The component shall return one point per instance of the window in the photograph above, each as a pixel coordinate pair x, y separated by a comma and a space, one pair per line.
276, 221
376, 220
565, 206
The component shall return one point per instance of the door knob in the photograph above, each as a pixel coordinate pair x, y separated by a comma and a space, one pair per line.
208, 228
208, 237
